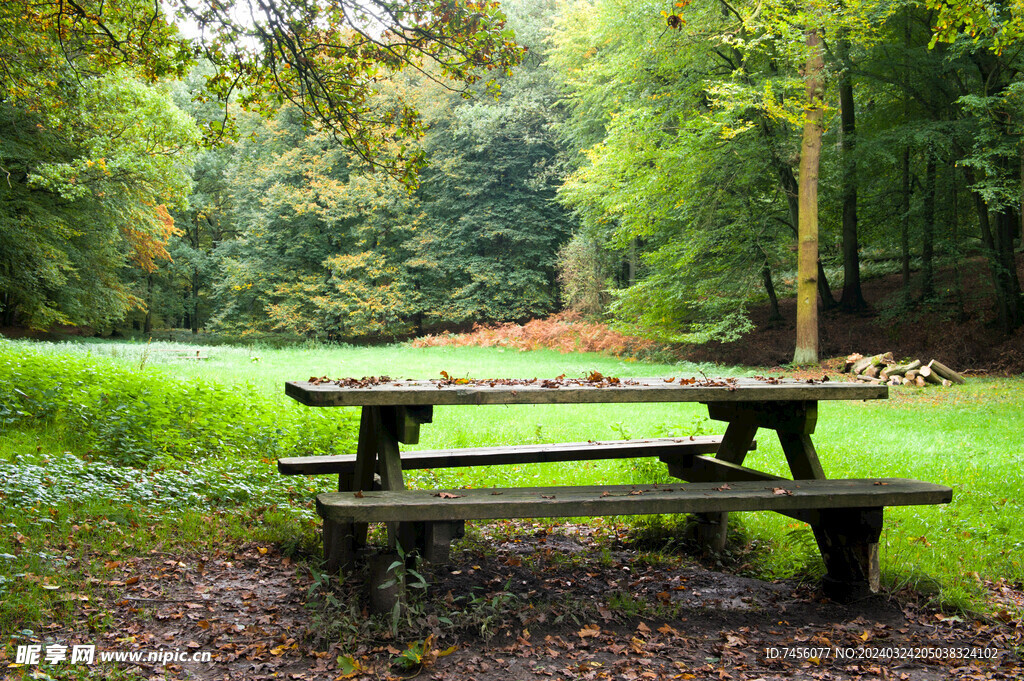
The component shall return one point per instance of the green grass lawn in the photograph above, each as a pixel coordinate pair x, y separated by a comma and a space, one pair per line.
203, 435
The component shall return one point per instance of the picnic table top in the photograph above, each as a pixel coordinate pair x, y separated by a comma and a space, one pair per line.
380, 391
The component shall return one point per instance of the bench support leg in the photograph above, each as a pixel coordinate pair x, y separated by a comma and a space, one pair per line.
710, 529
848, 541
339, 549
431, 540
437, 539
366, 462
339, 539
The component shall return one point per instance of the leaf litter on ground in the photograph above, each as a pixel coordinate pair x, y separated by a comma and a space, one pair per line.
534, 602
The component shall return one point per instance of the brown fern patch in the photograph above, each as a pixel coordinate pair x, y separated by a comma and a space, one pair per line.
563, 332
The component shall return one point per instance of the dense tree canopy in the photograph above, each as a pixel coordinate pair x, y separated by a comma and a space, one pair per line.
687, 124
643, 163
85, 197
93, 148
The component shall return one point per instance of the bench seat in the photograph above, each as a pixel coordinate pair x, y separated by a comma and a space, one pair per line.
549, 502
666, 448
845, 514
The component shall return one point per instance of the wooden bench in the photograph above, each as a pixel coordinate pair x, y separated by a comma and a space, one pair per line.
846, 514
433, 540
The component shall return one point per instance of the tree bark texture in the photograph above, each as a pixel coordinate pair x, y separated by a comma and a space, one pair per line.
147, 324
1020, 232
774, 314
810, 157
8, 308
1006, 264
1002, 263
928, 231
905, 223
853, 297
195, 302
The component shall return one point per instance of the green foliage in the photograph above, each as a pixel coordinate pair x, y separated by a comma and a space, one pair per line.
325, 59
142, 417
196, 502
33, 481
84, 199
491, 230
292, 232
684, 123
585, 273
685, 169
91, 161
996, 25
323, 245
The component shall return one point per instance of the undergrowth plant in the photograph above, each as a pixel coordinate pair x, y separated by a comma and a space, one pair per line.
140, 416
562, 332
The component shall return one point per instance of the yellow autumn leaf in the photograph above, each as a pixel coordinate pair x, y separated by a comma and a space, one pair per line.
281, 649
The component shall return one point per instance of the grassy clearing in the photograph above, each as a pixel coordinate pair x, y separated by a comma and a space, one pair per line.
201, 477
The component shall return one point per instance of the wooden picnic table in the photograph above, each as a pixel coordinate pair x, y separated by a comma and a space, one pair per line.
846, 515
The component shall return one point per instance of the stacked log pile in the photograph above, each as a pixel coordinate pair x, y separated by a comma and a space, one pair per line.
883, 369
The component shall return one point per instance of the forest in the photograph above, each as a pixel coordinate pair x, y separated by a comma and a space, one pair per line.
637, 162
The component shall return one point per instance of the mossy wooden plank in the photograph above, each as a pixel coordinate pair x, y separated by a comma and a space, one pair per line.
552, 502
709, 469
518, 454
640, 390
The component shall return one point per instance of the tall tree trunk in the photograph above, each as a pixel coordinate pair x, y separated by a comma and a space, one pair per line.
1005, 227
1009, 282
791, 188
8, 309
905, 167
1020, 233
828, 301
905, 224
810, 157
988, 241
195, 302
774, 315
928, 230
631, 272
958, 272
853, 297
147, 325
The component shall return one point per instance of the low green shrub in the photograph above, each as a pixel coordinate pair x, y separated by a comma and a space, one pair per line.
140, 416
48, 482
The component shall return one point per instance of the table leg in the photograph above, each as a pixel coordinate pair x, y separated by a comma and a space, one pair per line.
431, 540
848, 541
389, 463
848, 538
795, 437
